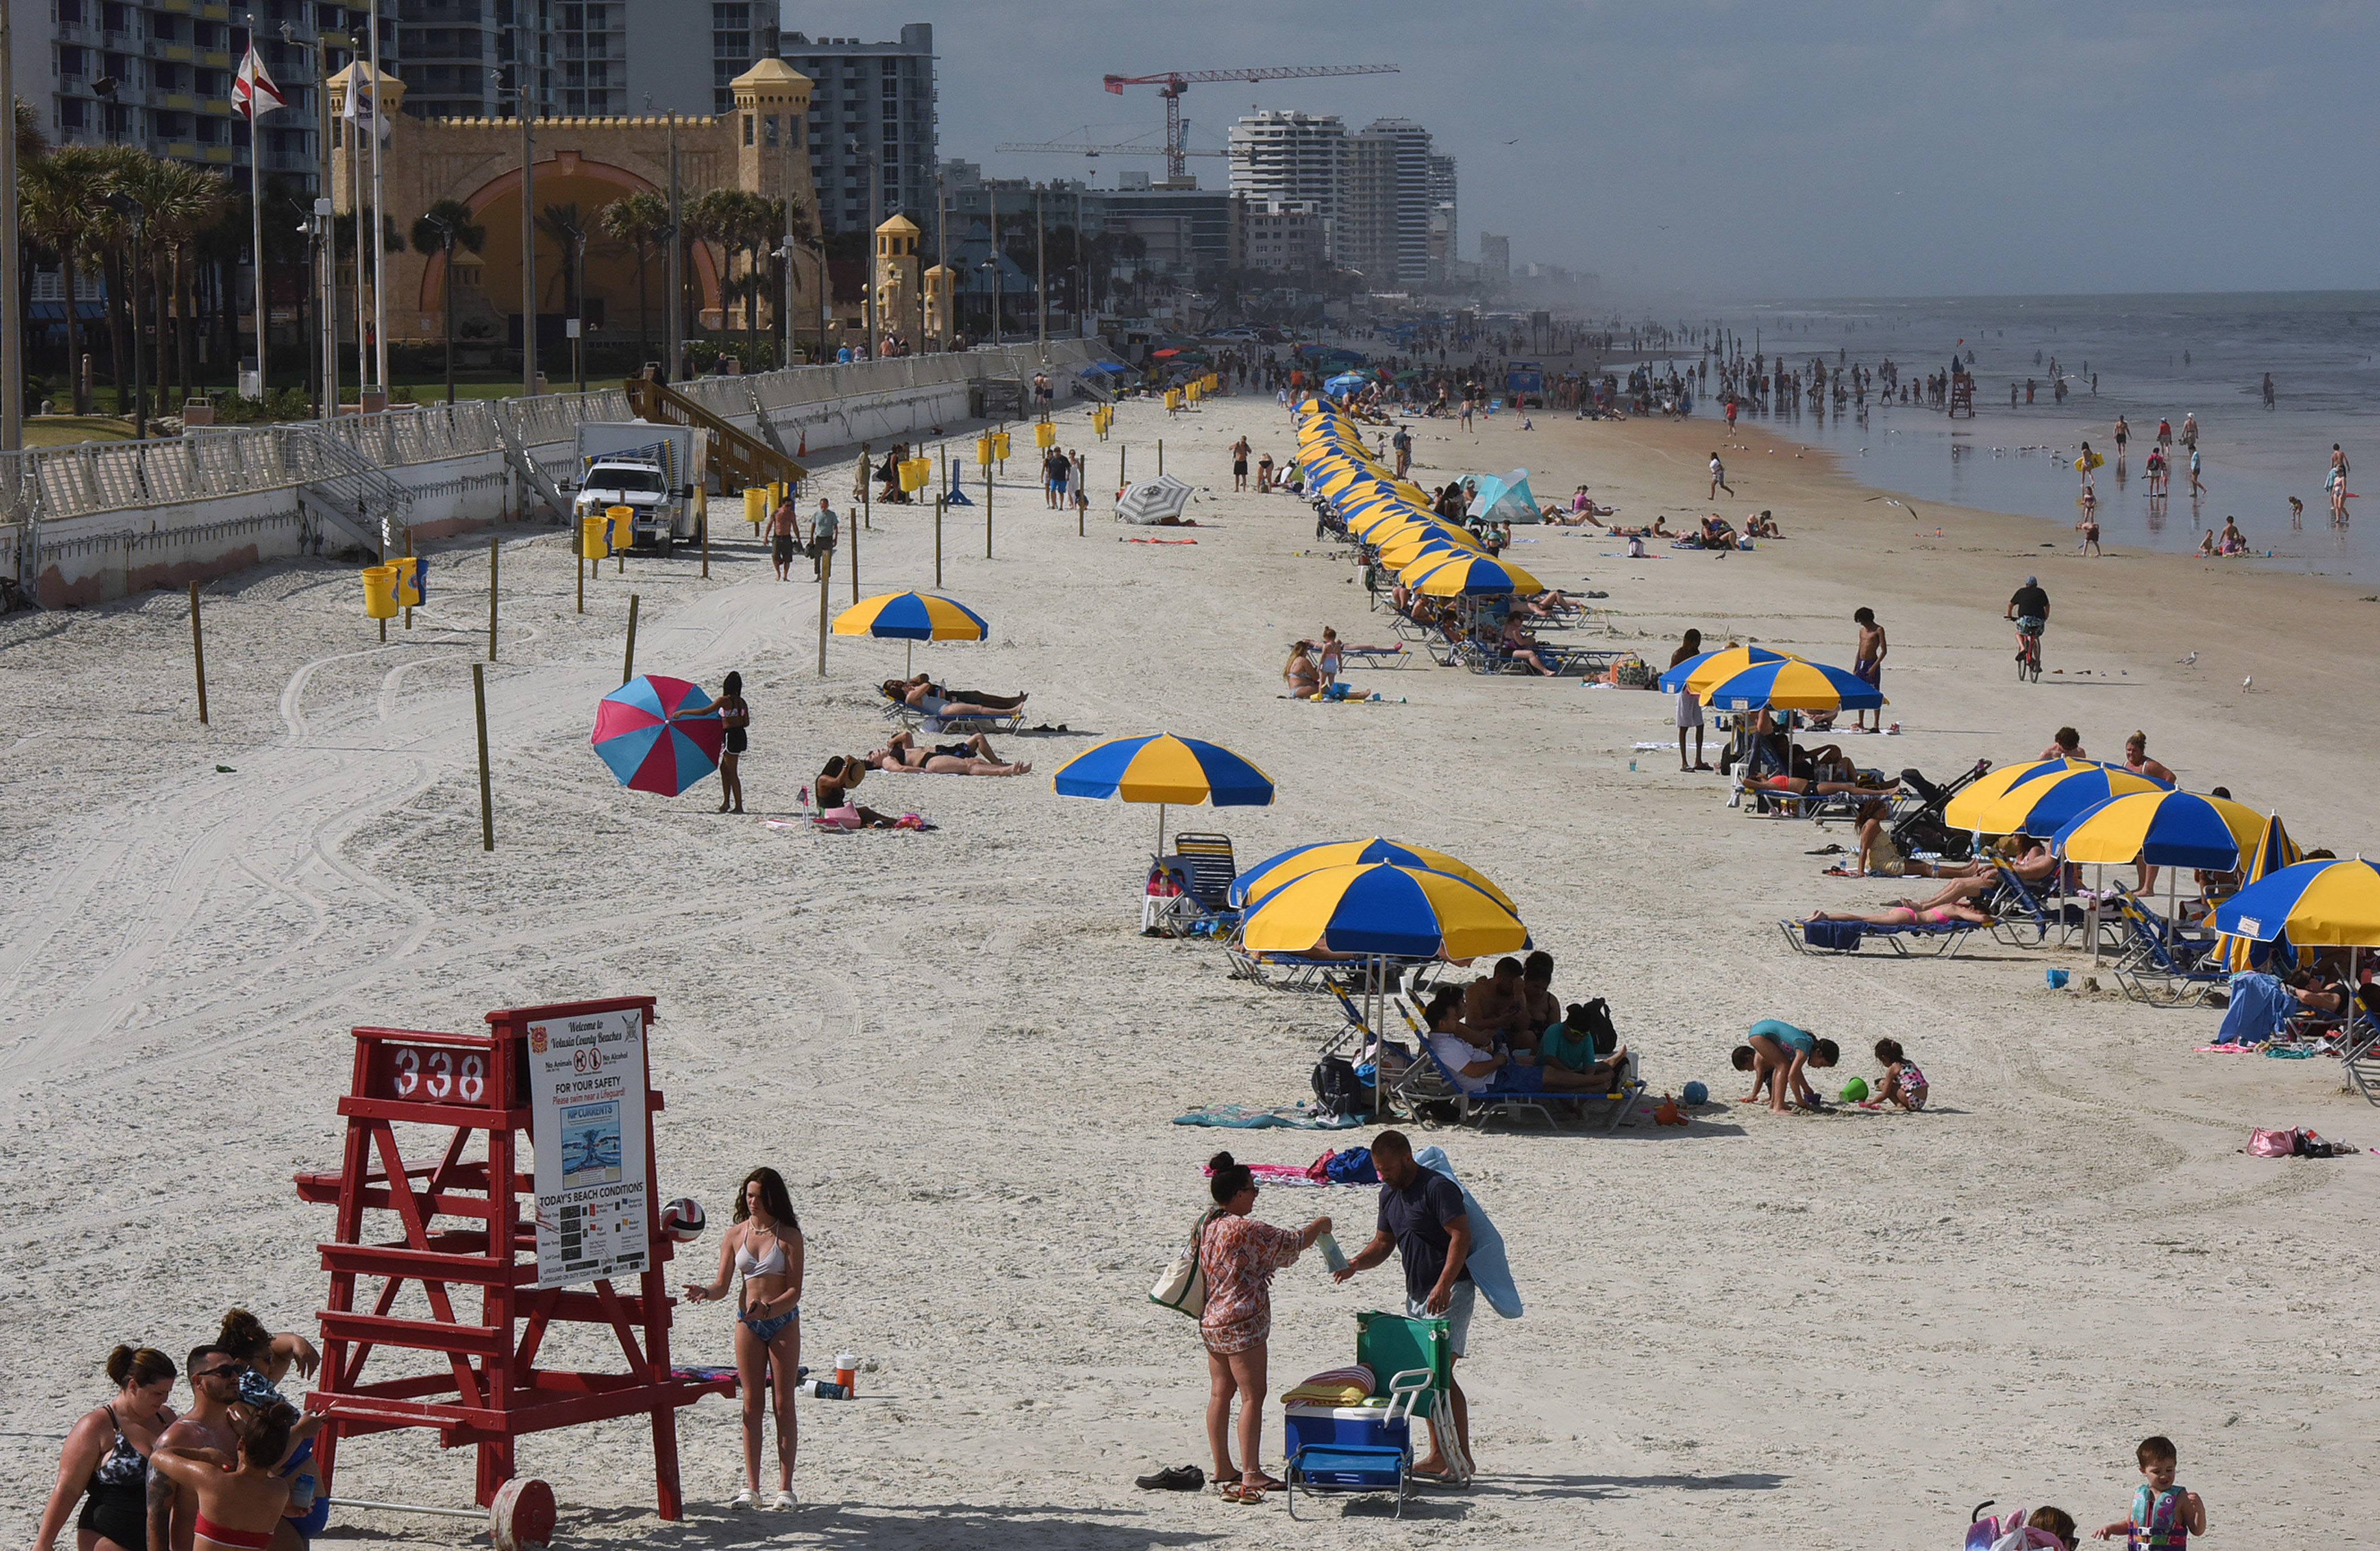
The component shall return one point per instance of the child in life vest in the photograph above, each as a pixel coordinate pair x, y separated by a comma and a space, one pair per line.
2164, 1516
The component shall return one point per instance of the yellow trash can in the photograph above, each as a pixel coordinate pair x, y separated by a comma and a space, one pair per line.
1044, 434
999, 446
914, 473
624, 526
380, 592
408, 580
756, 505
983, 451
592, 545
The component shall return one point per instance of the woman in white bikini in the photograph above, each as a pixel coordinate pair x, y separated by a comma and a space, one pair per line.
765, 1248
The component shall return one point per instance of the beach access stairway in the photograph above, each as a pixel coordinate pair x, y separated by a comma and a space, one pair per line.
351, 496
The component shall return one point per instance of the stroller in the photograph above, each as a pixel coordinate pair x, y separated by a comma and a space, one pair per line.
2009, 1532
1923, 827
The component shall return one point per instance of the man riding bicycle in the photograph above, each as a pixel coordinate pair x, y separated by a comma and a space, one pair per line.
2030, 609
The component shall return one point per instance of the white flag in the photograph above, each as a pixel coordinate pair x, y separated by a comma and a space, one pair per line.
362, 105
252, 91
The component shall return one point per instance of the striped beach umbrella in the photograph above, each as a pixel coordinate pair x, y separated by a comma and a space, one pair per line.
1792, 684
1698, 674
1984, 790
1380, 910
2275, 849
912, 616
1409, 547
645, 730
2163, 830
1467, 574
2042, 807
2316, 904
1274, 871
1162, 769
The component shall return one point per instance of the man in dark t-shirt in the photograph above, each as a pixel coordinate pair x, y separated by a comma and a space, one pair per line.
1422, 1218
2030, 608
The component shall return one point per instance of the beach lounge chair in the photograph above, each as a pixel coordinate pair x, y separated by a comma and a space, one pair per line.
1375, 657
1847, 937
1203, 866
1428, 1082
927, 719
2017, 904
2162, 967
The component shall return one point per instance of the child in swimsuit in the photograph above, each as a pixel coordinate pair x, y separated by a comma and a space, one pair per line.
1903, 1084
2164, 1515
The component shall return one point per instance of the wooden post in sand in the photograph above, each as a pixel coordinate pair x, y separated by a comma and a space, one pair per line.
987, 511
199, 654
494, 548
1160, 457
578, 557
628, 663
855, 565
826, 571
1119, 457
416, 575
940, 501
706, 541
487, 800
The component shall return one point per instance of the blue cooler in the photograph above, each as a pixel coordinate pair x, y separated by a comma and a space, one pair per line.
1366, 1426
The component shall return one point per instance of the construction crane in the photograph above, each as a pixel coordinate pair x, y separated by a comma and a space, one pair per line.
1085, 148
1172, 83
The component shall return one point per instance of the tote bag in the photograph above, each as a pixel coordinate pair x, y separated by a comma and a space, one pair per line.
1183, 1288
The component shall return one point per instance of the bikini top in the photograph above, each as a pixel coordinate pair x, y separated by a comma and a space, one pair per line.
770, 1265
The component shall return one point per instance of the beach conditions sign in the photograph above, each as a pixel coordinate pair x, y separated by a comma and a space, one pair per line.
587, 1099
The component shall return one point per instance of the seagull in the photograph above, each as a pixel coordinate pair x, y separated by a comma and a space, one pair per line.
2249, 680
1516, 140
2188, 660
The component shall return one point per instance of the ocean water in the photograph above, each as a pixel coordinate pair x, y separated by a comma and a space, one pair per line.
2152, 356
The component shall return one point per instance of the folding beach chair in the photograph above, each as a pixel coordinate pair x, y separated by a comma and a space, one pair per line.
1428, 1082
2162, 967
1204, 868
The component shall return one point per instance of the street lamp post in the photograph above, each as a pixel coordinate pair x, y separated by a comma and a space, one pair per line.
529, 206
12, 343
1040, 280
318, 54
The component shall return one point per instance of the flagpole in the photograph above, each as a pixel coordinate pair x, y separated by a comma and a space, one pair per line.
254, 66
380, 214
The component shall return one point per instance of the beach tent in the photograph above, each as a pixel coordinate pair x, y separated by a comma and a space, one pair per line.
1151, 502
1504, 498
1346, 383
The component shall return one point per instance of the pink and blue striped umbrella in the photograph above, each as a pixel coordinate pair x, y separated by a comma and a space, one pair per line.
642, 731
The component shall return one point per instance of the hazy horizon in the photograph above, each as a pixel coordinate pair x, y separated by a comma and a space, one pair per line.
1725, 149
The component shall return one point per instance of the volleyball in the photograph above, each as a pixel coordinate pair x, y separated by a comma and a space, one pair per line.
1694, 1093
681, 1219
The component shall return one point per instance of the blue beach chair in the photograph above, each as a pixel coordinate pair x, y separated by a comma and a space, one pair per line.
1846, 938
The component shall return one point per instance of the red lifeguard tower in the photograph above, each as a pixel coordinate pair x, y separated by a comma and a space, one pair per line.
464, 1098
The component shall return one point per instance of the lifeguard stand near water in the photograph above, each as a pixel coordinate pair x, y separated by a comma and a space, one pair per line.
575, 1237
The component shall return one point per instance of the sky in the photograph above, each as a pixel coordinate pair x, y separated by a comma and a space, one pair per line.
1710, 150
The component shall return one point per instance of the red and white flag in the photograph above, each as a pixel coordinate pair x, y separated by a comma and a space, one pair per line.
252, 91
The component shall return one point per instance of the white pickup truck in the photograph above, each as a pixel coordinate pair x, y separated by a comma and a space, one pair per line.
655, 470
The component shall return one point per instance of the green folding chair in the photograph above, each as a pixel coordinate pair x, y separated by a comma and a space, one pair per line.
1412, 1362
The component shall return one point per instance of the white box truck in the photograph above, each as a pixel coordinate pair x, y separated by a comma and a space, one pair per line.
656, 470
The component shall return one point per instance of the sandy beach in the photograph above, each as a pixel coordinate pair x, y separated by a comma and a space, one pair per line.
1841, 1330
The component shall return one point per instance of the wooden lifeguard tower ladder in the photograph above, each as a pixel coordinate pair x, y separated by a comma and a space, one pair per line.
1963, 394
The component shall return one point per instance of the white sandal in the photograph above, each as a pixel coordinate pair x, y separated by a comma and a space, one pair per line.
784, 1501
743, 1499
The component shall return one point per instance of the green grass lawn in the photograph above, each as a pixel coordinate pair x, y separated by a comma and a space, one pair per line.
65, 430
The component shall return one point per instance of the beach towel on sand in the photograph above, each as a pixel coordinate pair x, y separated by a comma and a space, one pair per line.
1486, 1264
1238, 1117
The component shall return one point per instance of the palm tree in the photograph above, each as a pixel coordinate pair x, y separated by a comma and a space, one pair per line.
109, 241
563, 223
182, 201
443, 229
30, 143
714, 217
55, 193
638, 220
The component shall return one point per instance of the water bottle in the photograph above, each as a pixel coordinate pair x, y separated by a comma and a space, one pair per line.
1632, 767
822, 1389
1332, 1254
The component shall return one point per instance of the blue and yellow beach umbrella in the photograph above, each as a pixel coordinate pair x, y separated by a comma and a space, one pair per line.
2163, 830
1380, 910
2042, 807
1792, 684
1274, 871
1467, 574
2324, 903
1162, 769
1979, 795
912, 616
2275, 849
1698, 674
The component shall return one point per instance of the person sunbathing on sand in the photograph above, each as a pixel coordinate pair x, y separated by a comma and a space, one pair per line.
974, 757
1763, 527
1656, 531
918, 690
1909, 916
